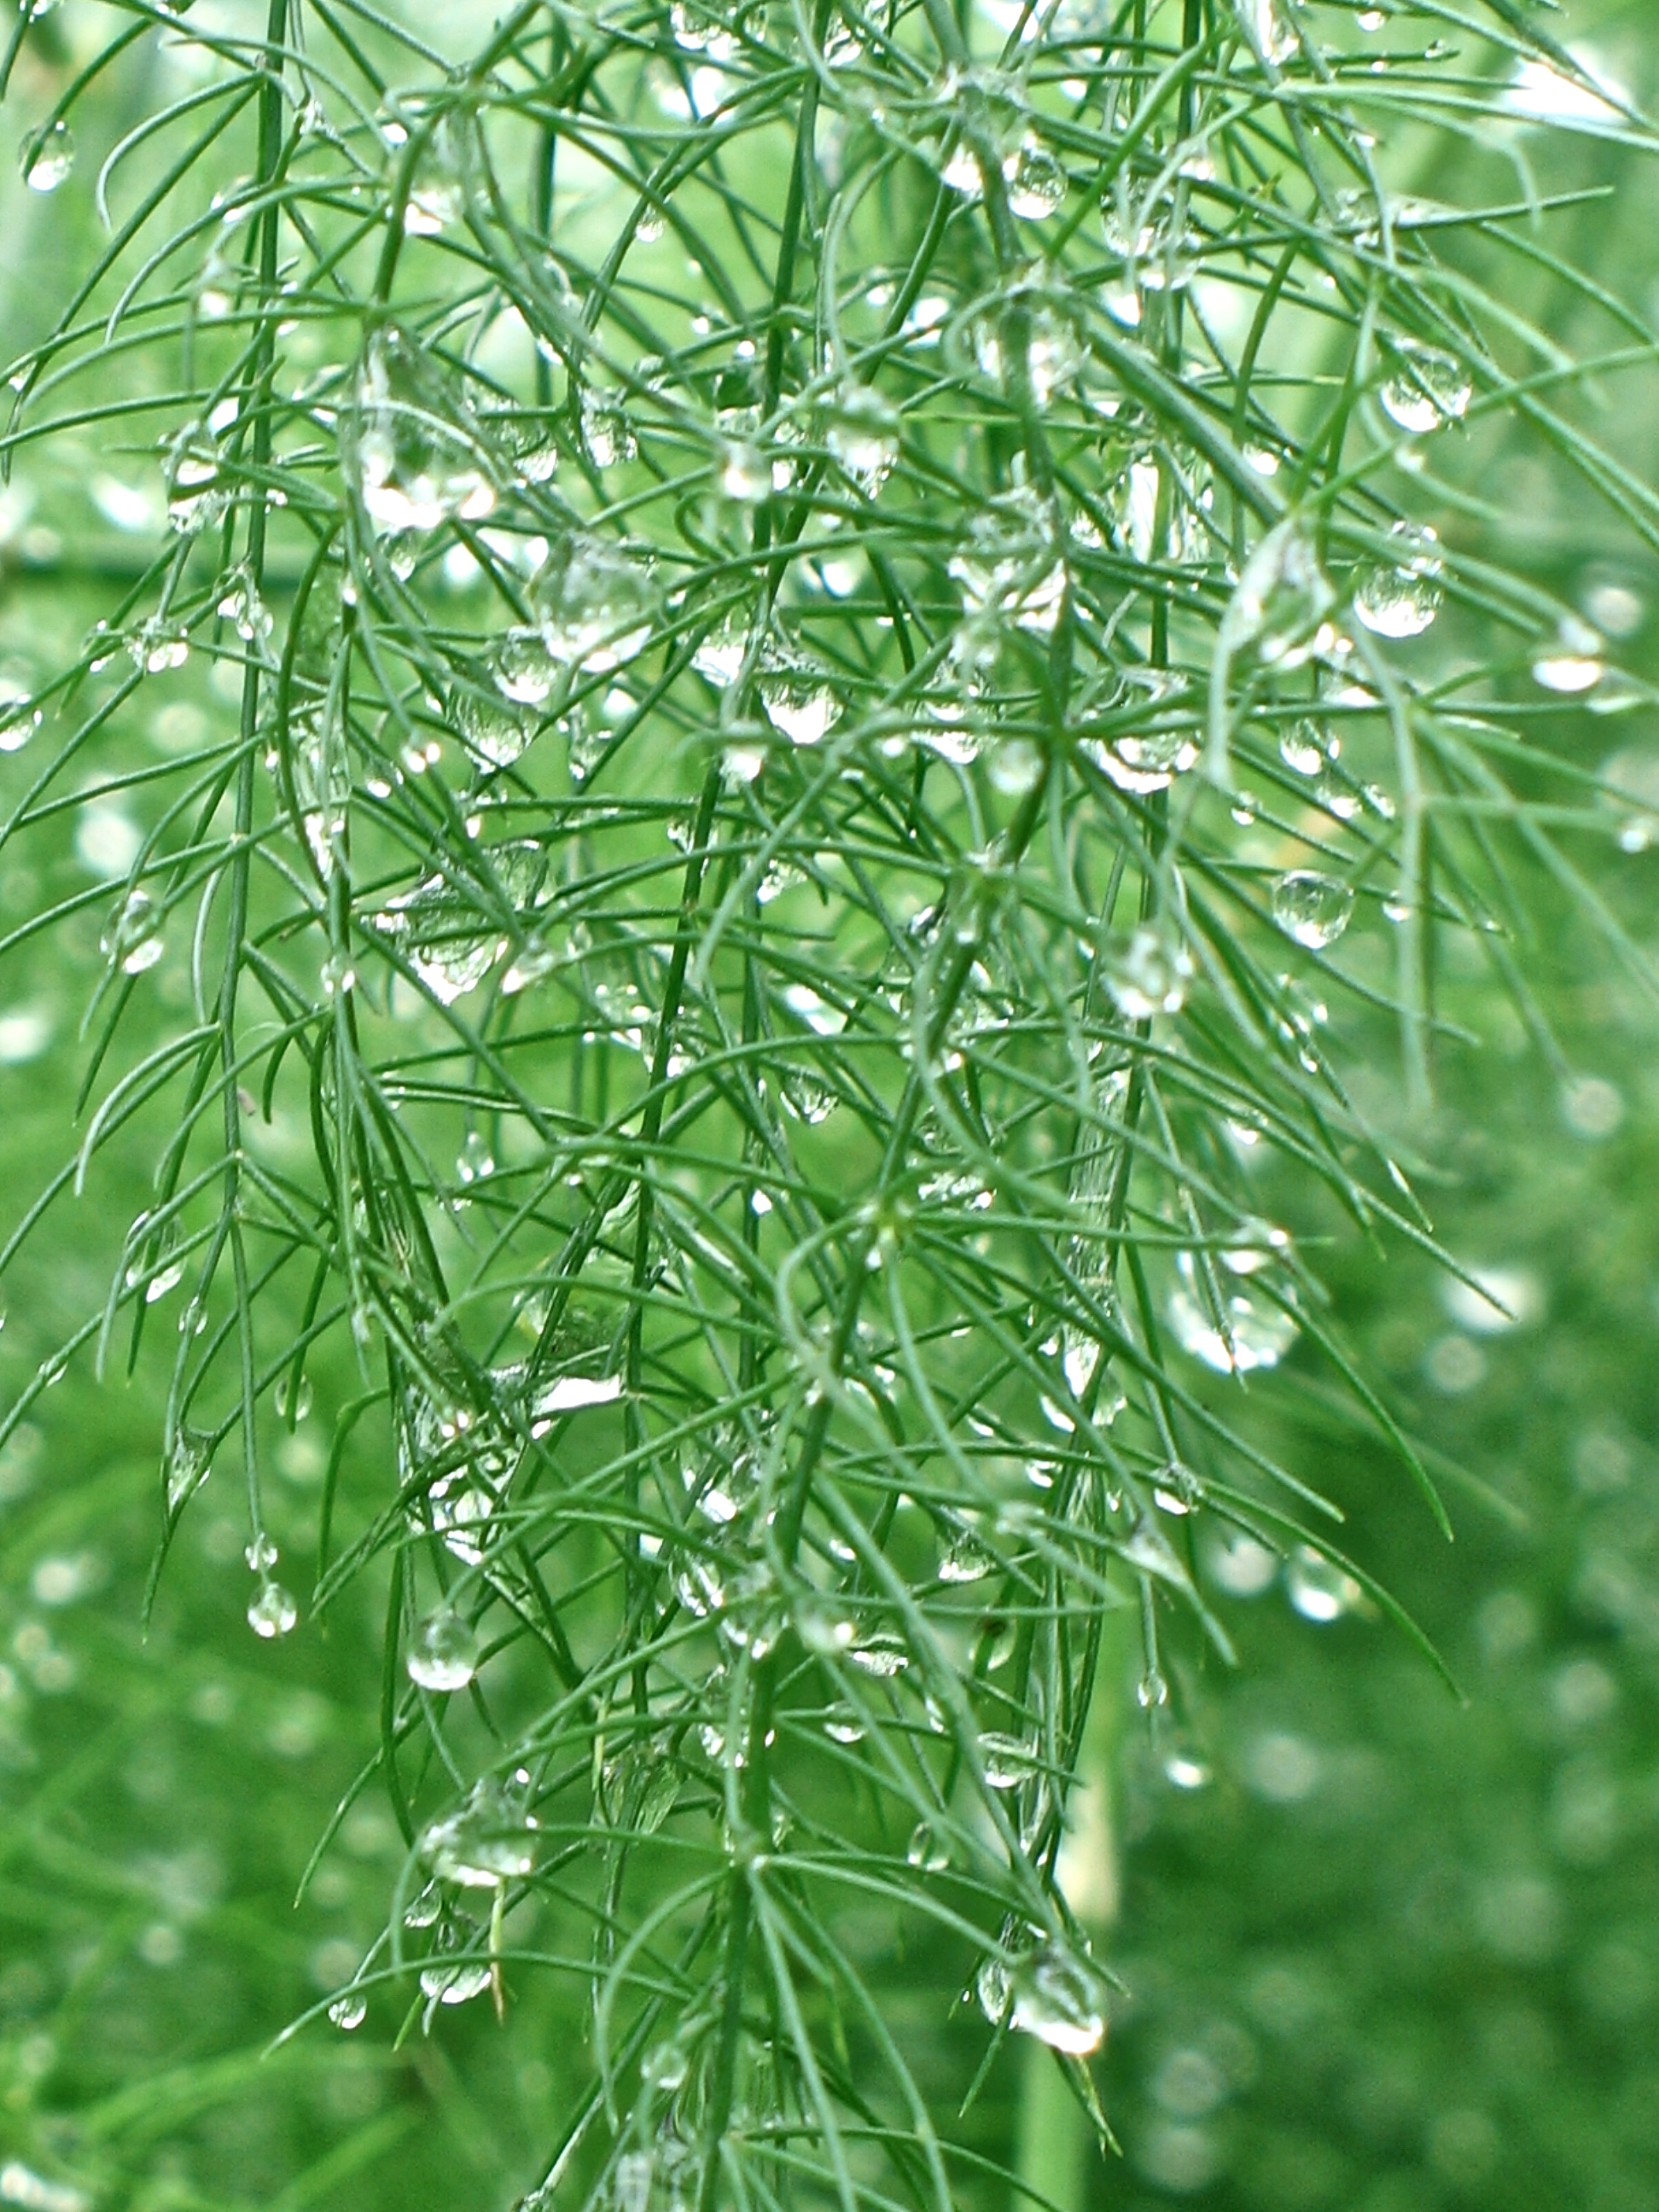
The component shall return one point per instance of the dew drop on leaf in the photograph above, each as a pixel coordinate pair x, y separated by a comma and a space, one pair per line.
1313, 909
1059, 1997
444, 1655
1401, 597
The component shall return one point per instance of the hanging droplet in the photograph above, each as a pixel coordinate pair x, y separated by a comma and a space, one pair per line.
1426, 388
594, 603
1401, 597
350, 2011
1037, 182
1008, 1760
458, 1983
444, 1655
862, 435
1059, 1997
1318, 1589
418, 463
187, 1467
797, 699
991, 1987
925, 1851
1243, 1334
260, 1555
48, 157
1145, 762
489, 1840
132, 936
967, 1561
273, 1612
19, 720
1314, 909
1151, 1690
1307, 749
1145, 973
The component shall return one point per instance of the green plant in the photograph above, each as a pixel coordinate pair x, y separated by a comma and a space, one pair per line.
833, 616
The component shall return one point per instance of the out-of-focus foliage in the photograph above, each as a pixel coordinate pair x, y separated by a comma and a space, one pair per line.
1377, 1948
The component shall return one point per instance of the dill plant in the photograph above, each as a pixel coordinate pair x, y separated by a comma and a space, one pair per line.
839, 706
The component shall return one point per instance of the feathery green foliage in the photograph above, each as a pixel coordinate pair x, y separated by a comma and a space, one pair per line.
831, 661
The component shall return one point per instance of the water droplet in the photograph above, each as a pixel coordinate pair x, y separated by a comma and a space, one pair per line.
1060, 1998
1401, 597
607, 433
273, 1612
1146, 760
474, 1161
187, 1467
967, 1561
418, 463
422, 1911
1239, 1565
261, 1554
1574, 663
1151, 1690
1282, 605
1145, 973
489, 1840
862, 432
595, 605
48, 157
458, 1983
132, 936
992, 1988
19, 720
350, 2011
1319, 1590
444, 1655
925, 1851
1270, 35
1314, 909
1307, 749
842, 1725
1243, 1334
883, 1656
1008, 1760
1425, 388
1037, 182
797, 699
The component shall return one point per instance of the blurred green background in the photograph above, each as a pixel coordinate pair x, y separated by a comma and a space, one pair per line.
1383, 1951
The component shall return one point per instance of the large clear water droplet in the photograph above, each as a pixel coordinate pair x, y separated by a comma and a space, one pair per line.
1313, 909
1059, 1997
1008, 1760
350, 2011
132, 936
991, 1987
417, 464
458, 1983
594, 603
925, 1851
967, 1561
1426, 387
1573, 663
1243, 1334
1035, 180
49, 157
491, 1838
1401, 597
797, 699
273, 1612
444, 1655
